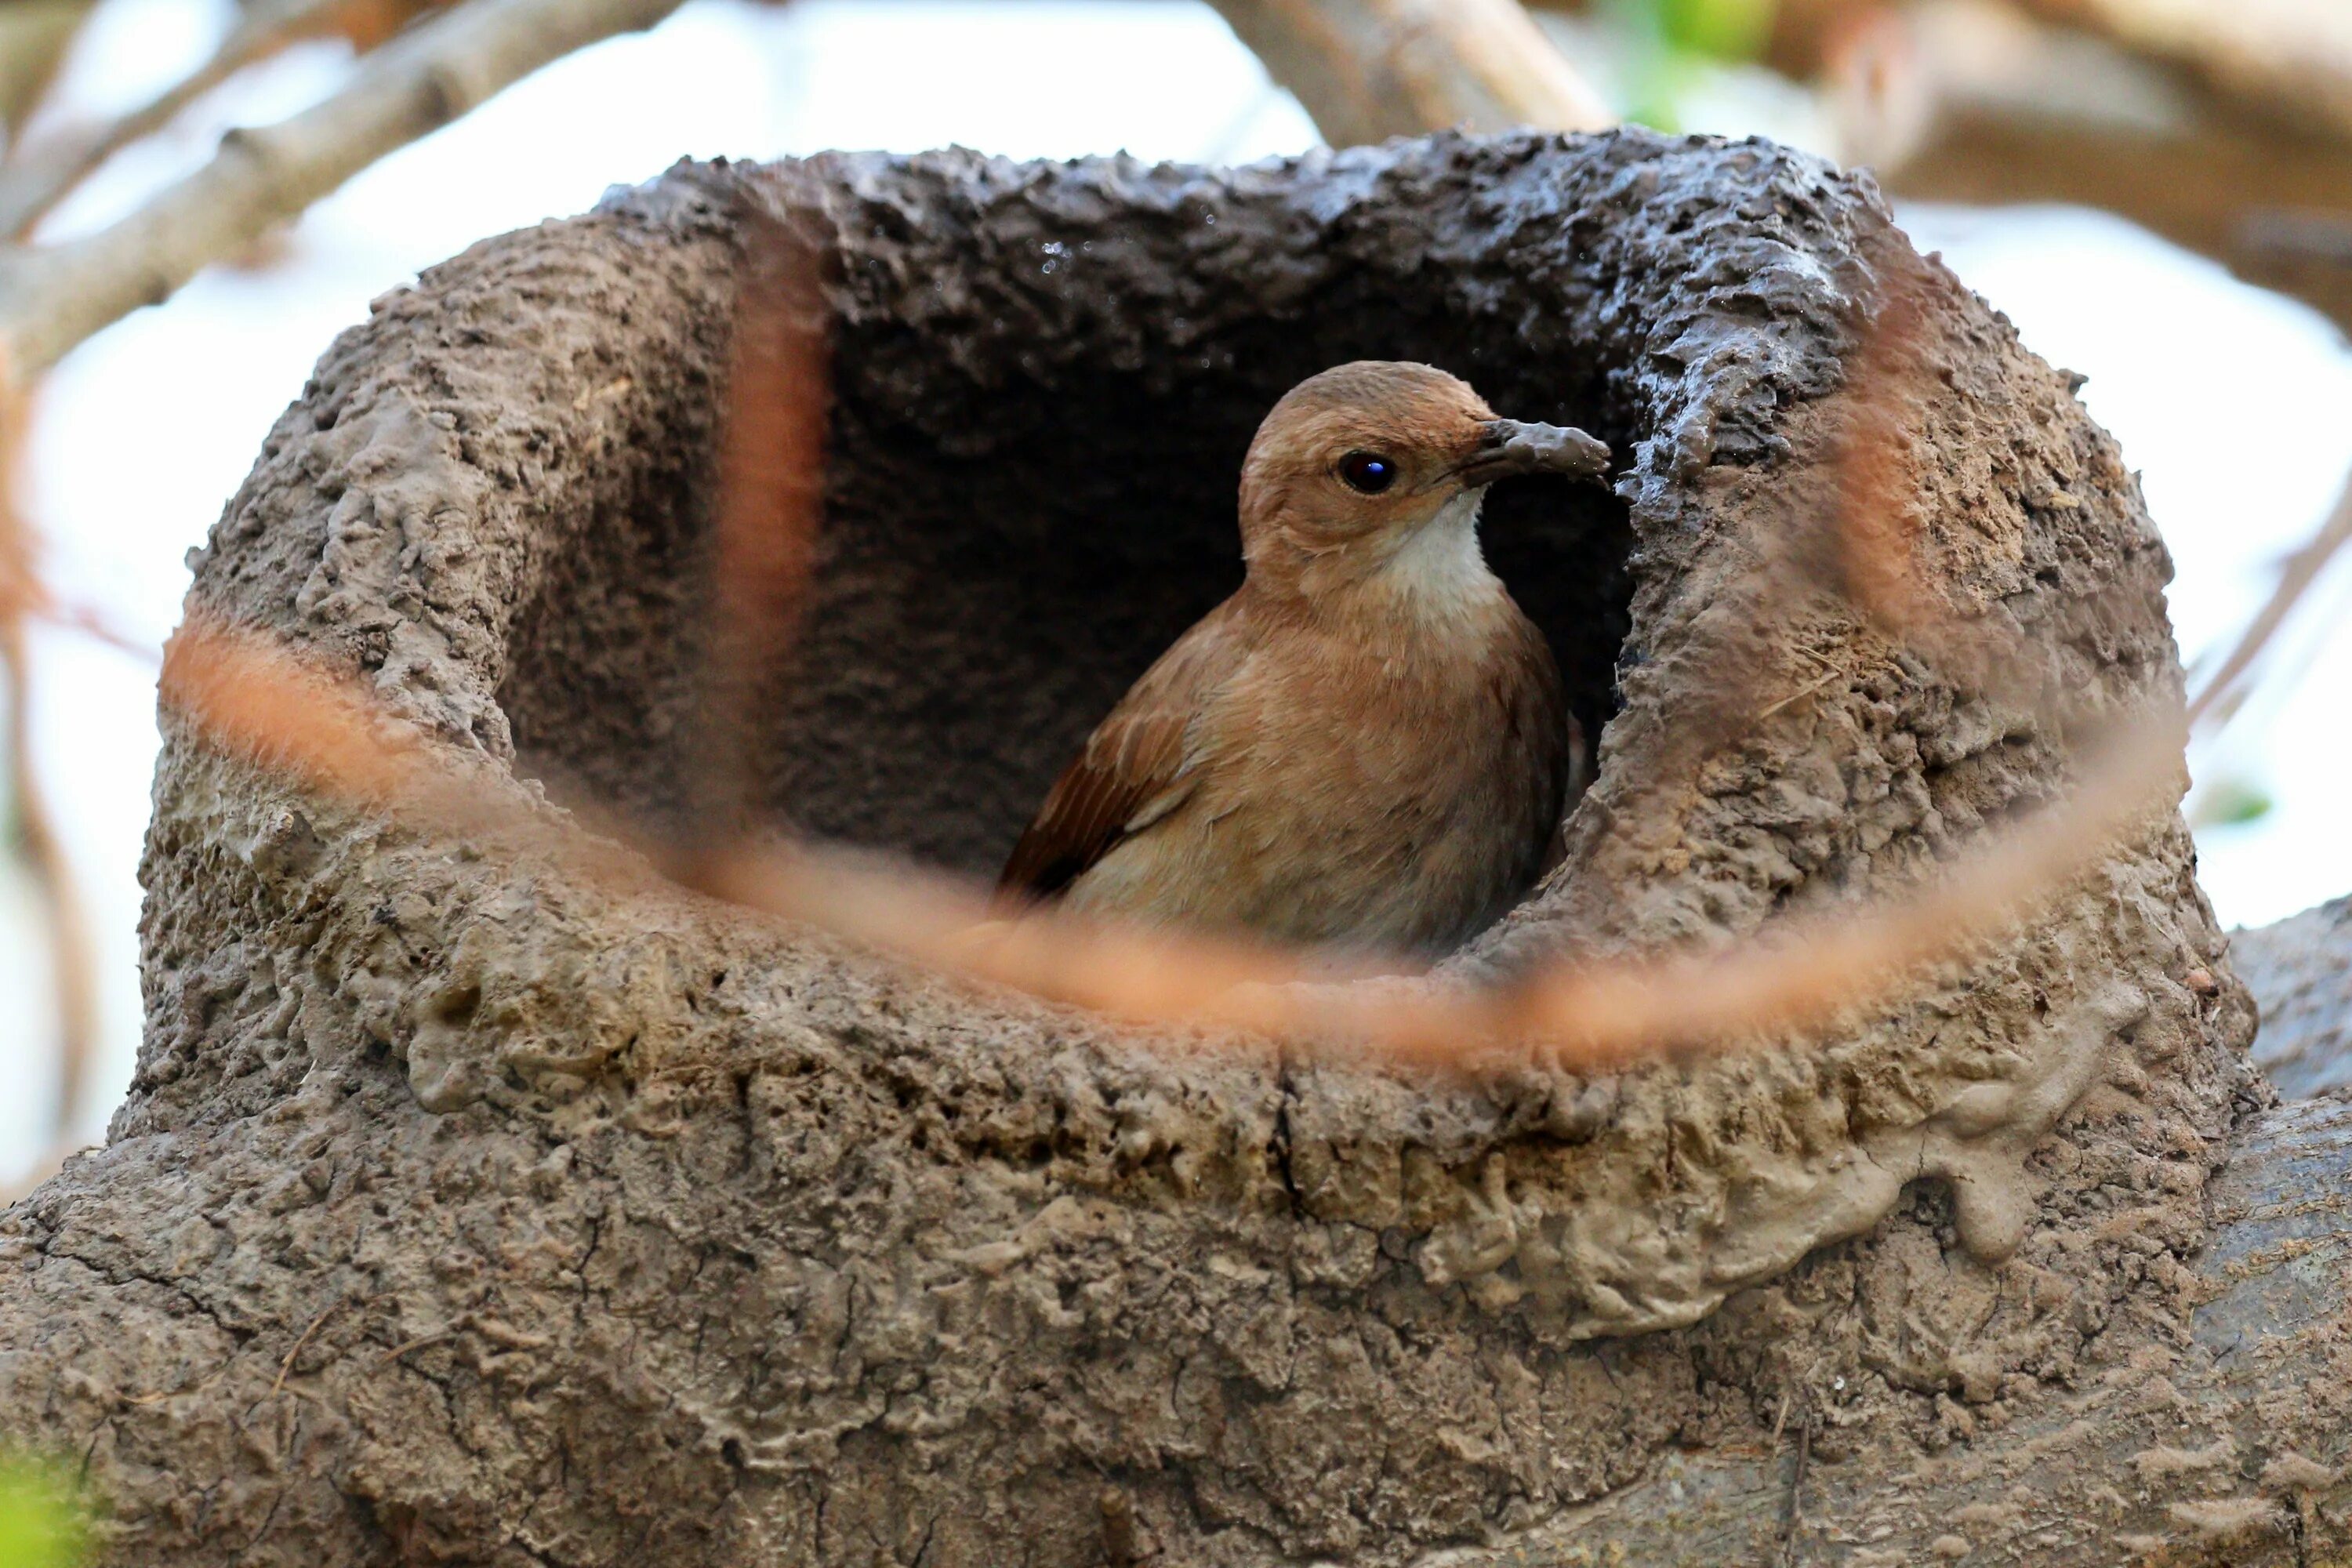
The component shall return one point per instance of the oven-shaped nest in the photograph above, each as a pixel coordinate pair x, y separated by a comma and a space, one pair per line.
888, 1267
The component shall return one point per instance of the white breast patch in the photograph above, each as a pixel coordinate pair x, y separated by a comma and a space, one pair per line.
1439, 571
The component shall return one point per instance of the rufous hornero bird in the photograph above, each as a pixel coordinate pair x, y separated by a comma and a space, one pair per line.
1366, 746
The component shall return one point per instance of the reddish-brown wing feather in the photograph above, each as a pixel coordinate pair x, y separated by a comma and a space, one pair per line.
1134, 766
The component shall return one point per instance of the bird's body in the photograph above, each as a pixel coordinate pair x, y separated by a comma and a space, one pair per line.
1367, 744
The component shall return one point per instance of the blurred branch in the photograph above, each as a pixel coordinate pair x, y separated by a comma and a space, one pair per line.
2225, 127
36, 180
1974, 102
33, 38
255, 697
772, 507
1369, 69
54, 298
2300, 571
33, 839
2293, 61
34, 843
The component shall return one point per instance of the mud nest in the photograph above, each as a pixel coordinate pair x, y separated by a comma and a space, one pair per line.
664, 1231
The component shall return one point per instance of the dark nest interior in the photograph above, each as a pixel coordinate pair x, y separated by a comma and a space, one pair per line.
985, 593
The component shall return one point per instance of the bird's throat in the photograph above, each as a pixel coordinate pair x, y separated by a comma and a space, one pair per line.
1438, 571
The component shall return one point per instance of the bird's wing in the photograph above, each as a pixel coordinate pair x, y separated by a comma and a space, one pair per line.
1134, 769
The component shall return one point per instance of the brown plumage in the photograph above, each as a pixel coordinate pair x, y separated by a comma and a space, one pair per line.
1367, 744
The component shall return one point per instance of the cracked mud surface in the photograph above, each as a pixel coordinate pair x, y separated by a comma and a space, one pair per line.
461, 1213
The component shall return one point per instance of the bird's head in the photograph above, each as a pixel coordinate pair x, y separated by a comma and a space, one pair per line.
1377, 469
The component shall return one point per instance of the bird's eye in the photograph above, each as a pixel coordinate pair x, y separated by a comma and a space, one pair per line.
1367, 472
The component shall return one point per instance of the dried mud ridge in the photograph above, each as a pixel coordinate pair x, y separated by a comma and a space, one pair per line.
462, 1213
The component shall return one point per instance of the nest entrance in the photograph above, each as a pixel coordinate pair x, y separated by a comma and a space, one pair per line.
981, 600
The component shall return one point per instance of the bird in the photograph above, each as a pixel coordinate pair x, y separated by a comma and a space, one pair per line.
1368, 745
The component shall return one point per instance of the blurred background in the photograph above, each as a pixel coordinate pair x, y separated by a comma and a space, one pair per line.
2157, 192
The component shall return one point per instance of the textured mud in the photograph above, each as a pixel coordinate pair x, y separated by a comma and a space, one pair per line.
461, 1212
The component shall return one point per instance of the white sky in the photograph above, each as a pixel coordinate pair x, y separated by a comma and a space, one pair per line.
2230, 399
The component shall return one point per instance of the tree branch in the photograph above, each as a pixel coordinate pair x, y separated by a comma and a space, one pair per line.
2302, 569
53, 299
1974, 102
2293, 61
33, 38
32, 183
1369, 69
2198, 119
2222, 1448
2300, 971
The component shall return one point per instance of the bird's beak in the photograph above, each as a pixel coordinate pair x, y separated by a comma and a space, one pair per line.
1511, 446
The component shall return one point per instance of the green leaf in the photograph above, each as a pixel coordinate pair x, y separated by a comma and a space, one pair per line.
1656, 81
42, 1522
1721, 29
2230, 802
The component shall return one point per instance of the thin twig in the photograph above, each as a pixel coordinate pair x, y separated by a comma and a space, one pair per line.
100, 627
421, 1340
286, 1367
2284, 671
73, 970
1793, 1527
54, 298
33, 181
1799, 695
162, 1395
35, 841
2301, 570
